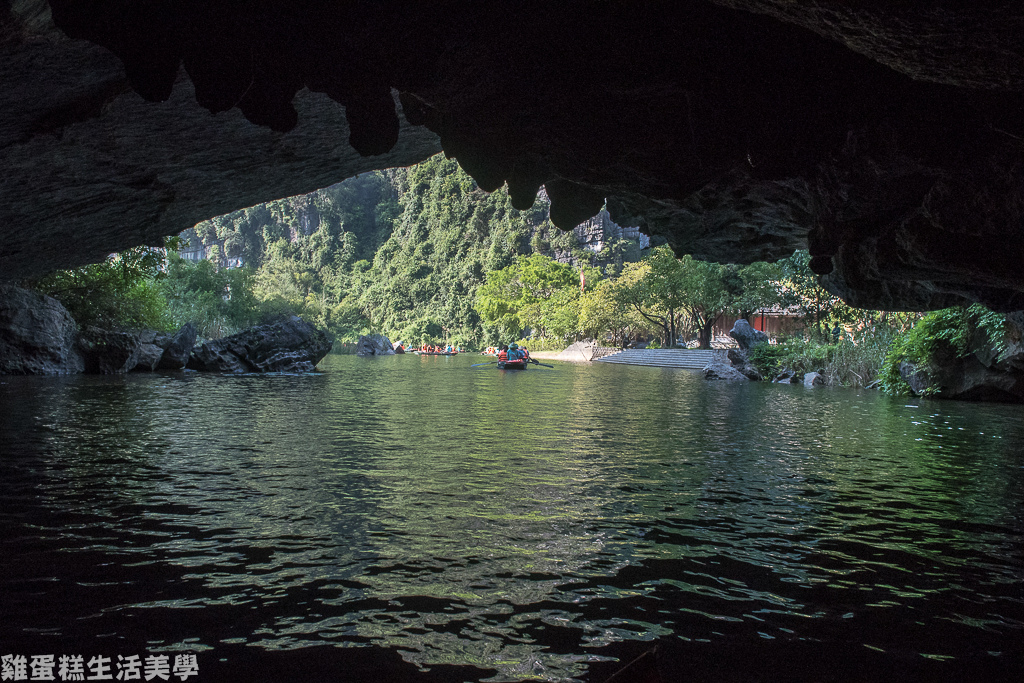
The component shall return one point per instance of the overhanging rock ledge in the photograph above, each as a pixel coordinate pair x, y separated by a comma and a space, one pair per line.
886, 137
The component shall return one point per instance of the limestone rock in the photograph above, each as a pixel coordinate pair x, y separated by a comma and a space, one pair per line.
966, 379
578, 352
746, 335
1013, 355
916, 378
178, 348
90, 167
740, 361
717, 370
161, 339
291, 345
814, 379
374, 345
149, 357
787, 377
873, 27
37, 334
108, 353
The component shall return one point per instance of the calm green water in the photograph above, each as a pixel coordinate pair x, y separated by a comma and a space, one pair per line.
503, 526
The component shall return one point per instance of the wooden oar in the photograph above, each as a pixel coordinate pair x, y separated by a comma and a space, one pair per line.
541, 364
479, 364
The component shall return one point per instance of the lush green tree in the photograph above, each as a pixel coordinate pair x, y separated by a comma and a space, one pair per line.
663, 290
667, 287
603, 314
632, 291
497, 301
756, 288
558, 316
702, 294
117, 293
218, 301
535, 292
822, 311
285, 279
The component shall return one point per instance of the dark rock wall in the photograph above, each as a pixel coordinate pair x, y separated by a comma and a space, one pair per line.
972, 43
37, 335
885, 136
89, 167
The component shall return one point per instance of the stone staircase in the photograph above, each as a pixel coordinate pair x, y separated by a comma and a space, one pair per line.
690, 359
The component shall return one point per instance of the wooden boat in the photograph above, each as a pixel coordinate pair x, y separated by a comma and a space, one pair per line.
520, 364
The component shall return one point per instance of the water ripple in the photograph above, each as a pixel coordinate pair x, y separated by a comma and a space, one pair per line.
523, 524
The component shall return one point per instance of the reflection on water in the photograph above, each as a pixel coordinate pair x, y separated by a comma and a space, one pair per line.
518, 523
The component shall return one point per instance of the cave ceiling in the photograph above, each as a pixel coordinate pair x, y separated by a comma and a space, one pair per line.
886, 136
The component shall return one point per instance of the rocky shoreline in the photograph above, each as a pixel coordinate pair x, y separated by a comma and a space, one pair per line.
989, 375
985, 375
39, 337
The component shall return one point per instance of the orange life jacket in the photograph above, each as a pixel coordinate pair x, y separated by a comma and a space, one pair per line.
502, 355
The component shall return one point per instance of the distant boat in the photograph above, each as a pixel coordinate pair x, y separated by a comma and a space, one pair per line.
436, 353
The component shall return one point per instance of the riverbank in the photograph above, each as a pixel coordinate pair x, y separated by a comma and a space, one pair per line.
986, 372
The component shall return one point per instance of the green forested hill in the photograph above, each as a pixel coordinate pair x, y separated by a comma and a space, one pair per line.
423, 255
401, 251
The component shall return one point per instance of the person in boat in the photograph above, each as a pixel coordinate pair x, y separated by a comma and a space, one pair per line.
448, 349
519, 353
503, 353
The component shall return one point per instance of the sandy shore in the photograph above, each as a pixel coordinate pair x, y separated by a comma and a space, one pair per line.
544, 355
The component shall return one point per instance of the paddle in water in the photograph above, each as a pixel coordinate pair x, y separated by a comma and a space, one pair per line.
476, 365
